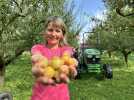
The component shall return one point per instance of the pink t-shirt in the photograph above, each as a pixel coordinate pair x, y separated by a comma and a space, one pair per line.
50, 92
49, 53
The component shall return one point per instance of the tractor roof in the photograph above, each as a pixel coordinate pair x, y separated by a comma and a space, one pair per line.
91, 51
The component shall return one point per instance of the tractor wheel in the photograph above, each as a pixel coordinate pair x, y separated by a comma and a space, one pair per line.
108, 71
6, 96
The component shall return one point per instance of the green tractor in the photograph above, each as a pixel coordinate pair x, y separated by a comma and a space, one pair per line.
90, 62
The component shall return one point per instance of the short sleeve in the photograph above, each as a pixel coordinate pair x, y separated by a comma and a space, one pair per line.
36, 49
67, 49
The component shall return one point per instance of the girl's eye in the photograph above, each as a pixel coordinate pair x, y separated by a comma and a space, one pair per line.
50, 30
58, 31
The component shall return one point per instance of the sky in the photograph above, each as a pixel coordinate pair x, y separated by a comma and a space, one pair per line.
87, 9
90, 6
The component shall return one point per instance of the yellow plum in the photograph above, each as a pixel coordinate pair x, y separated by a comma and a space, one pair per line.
56, 62
49, 72
73, 61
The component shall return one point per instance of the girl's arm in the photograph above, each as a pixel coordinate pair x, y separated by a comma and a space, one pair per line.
36, 69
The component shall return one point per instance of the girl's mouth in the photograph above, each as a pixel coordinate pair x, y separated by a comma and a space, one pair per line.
52, 37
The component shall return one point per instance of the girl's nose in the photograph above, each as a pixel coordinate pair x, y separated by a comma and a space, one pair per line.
53, 33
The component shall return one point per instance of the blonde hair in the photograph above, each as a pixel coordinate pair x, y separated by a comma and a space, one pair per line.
57, 22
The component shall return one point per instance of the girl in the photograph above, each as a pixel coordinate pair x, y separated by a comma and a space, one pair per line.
55, 45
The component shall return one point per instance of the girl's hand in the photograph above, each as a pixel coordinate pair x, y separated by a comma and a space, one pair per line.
73, 71
46, 81
37, 71
36, 57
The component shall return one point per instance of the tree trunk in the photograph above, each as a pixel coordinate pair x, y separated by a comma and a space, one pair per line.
2, 71
3, 64
125, 54
126, 59
2, 74
109, 53
18, 52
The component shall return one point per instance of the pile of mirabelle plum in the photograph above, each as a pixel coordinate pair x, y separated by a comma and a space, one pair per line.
57, 69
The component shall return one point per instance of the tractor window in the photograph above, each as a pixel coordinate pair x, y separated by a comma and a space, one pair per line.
93, 60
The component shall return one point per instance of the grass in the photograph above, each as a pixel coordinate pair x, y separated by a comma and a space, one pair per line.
19, 82
119, 88
19, 79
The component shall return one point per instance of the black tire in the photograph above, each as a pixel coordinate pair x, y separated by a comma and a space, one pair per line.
108, 71
6, 96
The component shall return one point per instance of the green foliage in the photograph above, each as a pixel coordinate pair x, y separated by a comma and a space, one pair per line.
124, 8
114, 33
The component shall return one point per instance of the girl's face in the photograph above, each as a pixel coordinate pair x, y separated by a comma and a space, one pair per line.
53, 34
